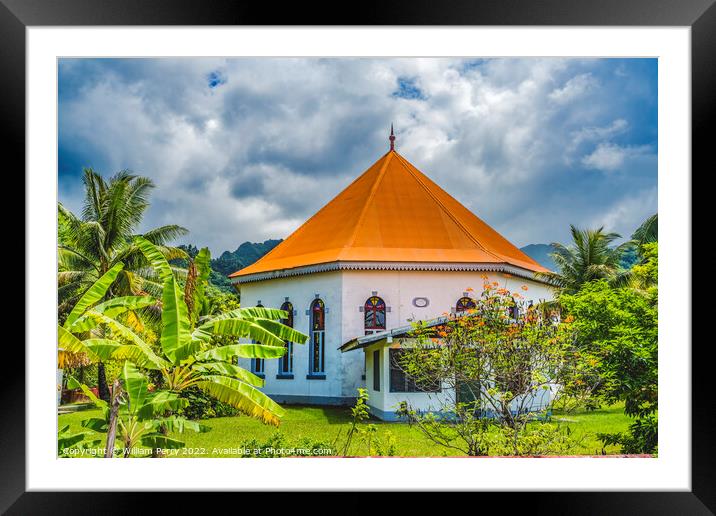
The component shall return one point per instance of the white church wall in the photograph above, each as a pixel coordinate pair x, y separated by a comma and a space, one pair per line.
398, 289
403, 290
344, 293
301, 291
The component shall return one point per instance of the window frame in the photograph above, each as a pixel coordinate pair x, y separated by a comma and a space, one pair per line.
285, 363
376, 370
410, 387
370, 310
317, 337
461, 307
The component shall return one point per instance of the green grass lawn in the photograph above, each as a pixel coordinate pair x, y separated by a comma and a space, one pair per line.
324, 423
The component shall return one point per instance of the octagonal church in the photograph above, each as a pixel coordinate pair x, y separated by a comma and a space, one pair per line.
390, 249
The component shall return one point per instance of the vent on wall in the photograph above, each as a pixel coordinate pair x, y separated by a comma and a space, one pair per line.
421, 302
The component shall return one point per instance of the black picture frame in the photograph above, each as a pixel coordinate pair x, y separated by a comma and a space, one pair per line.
700, 15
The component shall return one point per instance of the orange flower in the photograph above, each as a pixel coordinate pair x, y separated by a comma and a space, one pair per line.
468, 289
524, 287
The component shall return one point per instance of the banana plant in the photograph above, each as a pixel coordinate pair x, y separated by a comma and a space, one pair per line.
188, 341
141, 419
189, 356
83, 337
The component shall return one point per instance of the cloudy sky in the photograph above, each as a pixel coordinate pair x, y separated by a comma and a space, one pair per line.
247, 149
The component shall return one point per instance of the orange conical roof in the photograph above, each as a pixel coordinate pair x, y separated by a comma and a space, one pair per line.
392, 213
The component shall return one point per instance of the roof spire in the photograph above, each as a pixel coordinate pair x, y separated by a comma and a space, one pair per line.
392, 138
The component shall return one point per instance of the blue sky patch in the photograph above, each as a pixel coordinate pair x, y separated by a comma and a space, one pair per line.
216, 79
408, 89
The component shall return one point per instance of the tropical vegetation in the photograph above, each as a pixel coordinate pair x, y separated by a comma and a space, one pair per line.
91, 245
190, 352
163, 327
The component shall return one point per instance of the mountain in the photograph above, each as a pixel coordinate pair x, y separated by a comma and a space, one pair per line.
246, 254
228, 262
540, 254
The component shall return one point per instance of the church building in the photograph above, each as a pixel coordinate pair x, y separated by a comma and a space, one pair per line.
390, 249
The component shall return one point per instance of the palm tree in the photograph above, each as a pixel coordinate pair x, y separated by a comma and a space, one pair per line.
91, 245
647, 232
590, 257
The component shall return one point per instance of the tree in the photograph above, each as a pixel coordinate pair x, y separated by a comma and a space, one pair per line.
191, 356
93, 244
489, 370
618, 329
84, 336
191, 352
590, 257
648, 231
137, 415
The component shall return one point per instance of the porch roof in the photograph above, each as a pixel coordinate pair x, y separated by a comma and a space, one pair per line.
366, 340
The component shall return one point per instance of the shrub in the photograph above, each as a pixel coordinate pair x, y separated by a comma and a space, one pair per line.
203, 406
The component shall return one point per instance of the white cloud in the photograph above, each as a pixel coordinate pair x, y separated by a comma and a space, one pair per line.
609, 157
254, 156
574, 88
627, 213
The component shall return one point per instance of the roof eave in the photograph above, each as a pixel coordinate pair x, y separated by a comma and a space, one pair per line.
503, 267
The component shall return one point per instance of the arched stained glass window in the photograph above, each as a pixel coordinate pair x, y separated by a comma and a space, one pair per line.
464, 304
317, 357
374, 312
512, 310
285, 365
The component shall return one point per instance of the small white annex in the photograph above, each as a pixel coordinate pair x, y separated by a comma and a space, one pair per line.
390, 249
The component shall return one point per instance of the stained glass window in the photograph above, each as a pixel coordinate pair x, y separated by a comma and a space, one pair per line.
374, 312
464, 304
286, 363
318, 326
512, 310
318, 319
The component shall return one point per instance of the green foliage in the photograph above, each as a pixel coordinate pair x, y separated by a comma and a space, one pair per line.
359, 413
246, 254
74, 444
642, 437
590, 257
617, 328
645, 275
144, 415
319, 424
386, 446
648, 232
278, 445
92, 244
536, 439
202, 406
190, 345
493, 365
